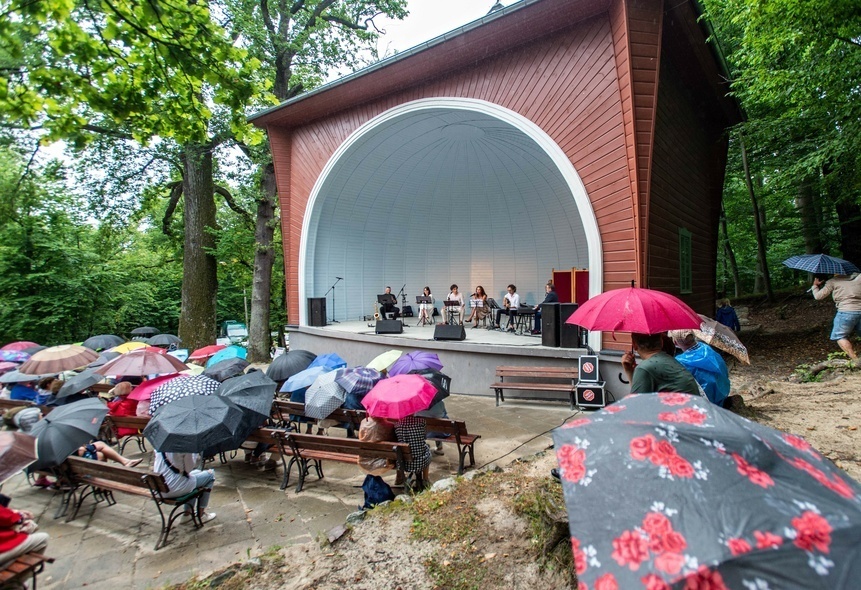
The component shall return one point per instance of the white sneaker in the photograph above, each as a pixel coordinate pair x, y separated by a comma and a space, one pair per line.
185, 518
204, 518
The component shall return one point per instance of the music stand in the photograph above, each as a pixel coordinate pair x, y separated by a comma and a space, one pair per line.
492, 305
420, 300
449, 304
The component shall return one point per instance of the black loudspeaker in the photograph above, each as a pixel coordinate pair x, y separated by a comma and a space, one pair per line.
588, 369
390, 327
569, 334
449, 332
316, 311
407, 311
591, 395
550, 324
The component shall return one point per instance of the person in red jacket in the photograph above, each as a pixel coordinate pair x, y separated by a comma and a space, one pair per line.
17, 534
121, 405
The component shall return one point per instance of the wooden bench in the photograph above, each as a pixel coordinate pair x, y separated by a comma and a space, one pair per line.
561, 379
85, 477
282, 410
306, 450
8, 404
25, 566
114, 423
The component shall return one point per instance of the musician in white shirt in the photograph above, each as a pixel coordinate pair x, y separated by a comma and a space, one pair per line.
510, 303
454, 295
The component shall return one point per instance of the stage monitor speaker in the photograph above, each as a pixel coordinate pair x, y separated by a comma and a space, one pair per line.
591, 395
390, 327
449, 332
316, 311
550, 324
569, 334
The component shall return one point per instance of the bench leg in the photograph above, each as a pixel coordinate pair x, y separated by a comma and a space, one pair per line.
285, 481
167, 523
303, 471
499, 396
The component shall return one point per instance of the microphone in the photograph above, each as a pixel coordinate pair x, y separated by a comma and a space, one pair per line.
340, 278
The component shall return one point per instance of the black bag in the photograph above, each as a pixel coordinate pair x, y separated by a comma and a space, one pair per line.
376, 491
407, 311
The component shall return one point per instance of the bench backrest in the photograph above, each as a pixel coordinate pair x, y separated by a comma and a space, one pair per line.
80, 469
394, 451
286, 408
446, 426
540, 372
8, 404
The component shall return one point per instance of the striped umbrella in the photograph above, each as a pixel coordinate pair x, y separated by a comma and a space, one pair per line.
142, 362
324, 396
59, 358
358, 380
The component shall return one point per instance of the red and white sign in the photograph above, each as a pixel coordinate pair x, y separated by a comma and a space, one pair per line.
589, 395
588, 367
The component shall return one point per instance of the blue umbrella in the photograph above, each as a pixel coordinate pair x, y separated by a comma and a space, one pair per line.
821, 264
231, 352
330, 361
303, 379
359, 380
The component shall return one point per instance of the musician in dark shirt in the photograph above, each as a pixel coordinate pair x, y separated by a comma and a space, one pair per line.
390, 308
550, 297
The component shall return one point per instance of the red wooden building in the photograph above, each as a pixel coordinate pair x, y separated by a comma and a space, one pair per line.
550, 134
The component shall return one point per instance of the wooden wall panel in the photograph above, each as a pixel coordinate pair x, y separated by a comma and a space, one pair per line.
566, 83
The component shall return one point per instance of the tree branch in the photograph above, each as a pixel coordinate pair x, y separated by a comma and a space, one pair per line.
175, 194
267, 18
233, 204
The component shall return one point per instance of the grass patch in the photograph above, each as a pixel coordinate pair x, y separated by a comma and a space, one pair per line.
236, 576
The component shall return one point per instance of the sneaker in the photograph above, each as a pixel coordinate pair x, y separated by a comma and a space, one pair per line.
204, 518
438, 450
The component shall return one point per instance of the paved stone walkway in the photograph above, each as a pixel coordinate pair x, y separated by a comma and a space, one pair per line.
112, 547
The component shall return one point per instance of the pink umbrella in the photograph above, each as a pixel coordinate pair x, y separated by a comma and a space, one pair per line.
20, 345
6, 366
644, 311
142, 362
144, 391
206, 352
399, 396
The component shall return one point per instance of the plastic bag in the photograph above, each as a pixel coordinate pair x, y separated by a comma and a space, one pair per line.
375, 430
376, 491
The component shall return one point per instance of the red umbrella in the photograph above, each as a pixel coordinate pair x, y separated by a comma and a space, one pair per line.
142, 362
206, 351
399, 396
155, 349
144, 390
20, 345
644, 311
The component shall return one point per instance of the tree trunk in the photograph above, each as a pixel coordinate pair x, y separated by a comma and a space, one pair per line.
849, 215
259, 340
729, 255
805, 204
762, 261
199, 270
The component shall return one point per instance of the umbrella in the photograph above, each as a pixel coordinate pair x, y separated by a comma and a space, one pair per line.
104, 357
359, 380
80, 382
195, 424
143, 392
714, 333
324, 396
417, 359
103, 341
440, 381
145, 331
303, 379
716, 501
179, 353
383, 361
289, 363
19, 377
254, 394
821, 264
179, 388
644, 311
65, 429
399, 396
17, 450
19, 345
141, 362
14, 356
330, 361
7, 366
34, 349
231, 352
163, 340
206, 351
128, 346
59, 358
193, 370
228, 368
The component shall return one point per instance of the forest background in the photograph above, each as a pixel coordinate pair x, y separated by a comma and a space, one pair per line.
164, 210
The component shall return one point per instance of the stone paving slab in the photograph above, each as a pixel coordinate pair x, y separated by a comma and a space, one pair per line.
112, 546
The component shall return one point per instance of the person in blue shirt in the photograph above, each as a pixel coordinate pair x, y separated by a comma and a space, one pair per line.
23, 391
706, 365
726, 315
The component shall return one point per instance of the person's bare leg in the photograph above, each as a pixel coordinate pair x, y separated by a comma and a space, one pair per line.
846, 346
105, 452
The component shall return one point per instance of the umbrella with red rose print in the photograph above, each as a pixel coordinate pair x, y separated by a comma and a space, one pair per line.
679, 493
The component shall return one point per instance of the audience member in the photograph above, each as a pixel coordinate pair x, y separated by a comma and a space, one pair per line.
706, 365
846, 292
18, 534
182, 477
657, 370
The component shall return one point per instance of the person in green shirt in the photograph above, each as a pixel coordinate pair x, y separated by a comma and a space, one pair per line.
656, 371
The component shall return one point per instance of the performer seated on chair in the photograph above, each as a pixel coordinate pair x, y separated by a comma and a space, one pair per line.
479, 312
448, 311
550, 297
426, 309
390, 308
510, 303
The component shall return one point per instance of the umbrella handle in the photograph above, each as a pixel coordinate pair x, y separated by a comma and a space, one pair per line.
622, 379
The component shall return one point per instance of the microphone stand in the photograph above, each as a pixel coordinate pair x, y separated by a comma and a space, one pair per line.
403, 297
332, 289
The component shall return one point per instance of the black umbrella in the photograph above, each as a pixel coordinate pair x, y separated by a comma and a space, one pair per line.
80, 382
102, 341
176, 389
163, 340
196, 424
34, 349
65, 429
227, 368
441, 381
253, 393
104, 357
19, 377
290, 363
144, 331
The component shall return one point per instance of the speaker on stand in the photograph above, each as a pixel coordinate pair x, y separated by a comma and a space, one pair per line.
569, 334
449, 332
316, 311
550, 325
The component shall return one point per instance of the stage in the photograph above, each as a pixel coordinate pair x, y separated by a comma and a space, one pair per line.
470, 363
